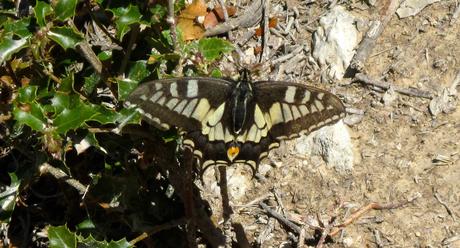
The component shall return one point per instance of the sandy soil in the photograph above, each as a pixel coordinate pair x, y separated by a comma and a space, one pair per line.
398, 146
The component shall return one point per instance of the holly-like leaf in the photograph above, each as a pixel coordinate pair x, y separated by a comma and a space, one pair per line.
138, 72
59, 102
18, 27
91, 242
105, 55
73, 117
90, 83
61, 237
65, 37
125, 87
10, 46
27, 94
8, 197
65, 9
124, 17
42, 10
30, 115
66, 84
213, 48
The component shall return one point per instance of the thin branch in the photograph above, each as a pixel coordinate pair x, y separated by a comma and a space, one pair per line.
250, 17
159, 228
85, 50
265, 51
386, 85
444, 204
280, 218
129, 48
373, 33
46, 168
172, 22
370, 206
224, 9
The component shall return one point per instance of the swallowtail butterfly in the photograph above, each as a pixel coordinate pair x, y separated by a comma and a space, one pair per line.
225, 121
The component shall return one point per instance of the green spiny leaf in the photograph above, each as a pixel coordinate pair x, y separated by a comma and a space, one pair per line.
42, 10
65, 9
65, 37
213, 48
10, 46
124, 18
61, 237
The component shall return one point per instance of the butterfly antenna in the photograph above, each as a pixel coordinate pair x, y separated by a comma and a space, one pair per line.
245, 75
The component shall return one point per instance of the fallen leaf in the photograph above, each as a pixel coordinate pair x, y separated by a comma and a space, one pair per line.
210, 20
271, 24
219, 12
187, 23
217, 15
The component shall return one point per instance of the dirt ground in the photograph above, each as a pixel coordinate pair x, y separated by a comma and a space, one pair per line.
401, 151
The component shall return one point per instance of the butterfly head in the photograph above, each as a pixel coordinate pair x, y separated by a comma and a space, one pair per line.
232, 151
245, 75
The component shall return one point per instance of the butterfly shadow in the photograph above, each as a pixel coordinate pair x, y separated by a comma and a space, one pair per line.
179, 171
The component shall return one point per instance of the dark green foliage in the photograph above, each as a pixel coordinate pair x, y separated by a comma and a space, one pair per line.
61, 106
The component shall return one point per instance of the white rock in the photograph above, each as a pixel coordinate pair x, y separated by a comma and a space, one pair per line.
238, 181
332, 143
334, 42
389, 96
412, 7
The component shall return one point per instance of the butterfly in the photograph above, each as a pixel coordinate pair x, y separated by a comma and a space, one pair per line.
225, 121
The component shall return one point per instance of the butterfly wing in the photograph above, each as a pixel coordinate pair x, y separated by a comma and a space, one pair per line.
296, 109
197, 106
200, 108
182, 102
282, 111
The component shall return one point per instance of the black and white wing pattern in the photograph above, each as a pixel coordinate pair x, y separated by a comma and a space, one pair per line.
227, 122
284, 110
182, 102
296, 109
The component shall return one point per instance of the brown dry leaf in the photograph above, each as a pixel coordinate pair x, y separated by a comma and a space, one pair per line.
192, 30
257, 50
210, 20
271, 24
217, 15
220, 13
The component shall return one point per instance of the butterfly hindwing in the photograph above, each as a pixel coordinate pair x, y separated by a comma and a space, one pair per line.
295, 108
181, 102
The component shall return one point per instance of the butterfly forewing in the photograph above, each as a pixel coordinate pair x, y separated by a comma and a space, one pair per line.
183, 102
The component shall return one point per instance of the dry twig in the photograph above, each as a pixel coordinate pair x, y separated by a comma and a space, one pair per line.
444, 204
172, 22
46, 168
159, 228
373, 33
329, 229
455, 15
370, 206
265, 51
280, 218
250, 17
361, 77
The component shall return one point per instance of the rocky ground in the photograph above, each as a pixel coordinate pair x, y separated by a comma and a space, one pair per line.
406, 152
